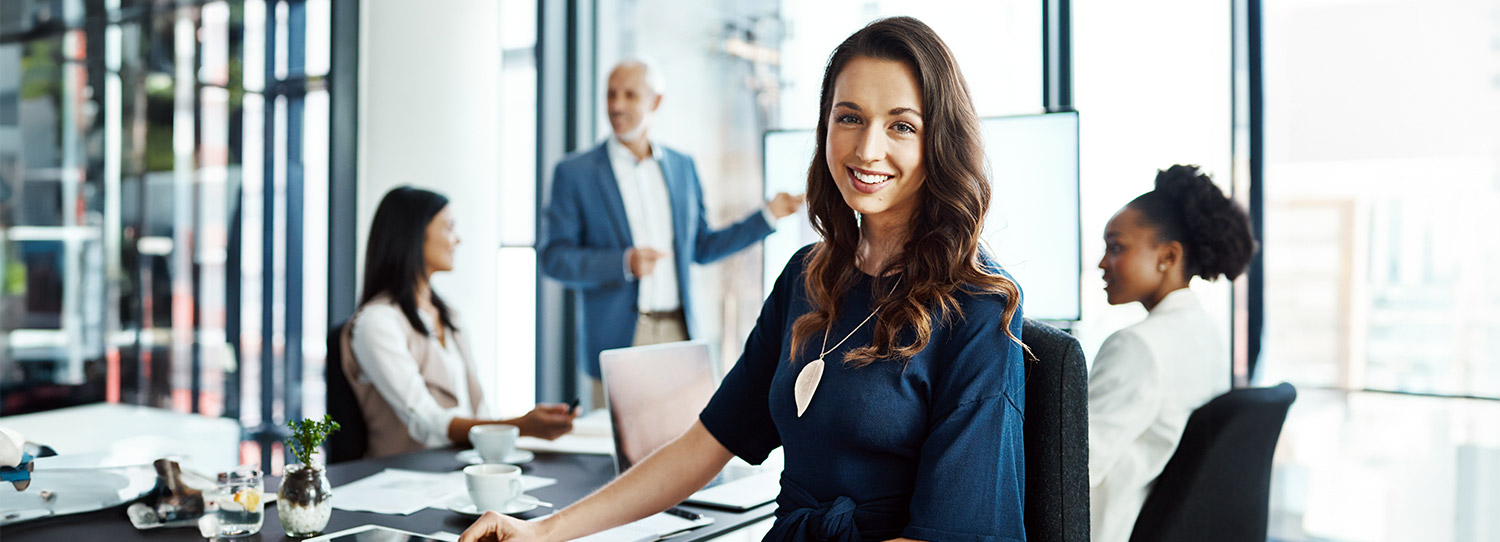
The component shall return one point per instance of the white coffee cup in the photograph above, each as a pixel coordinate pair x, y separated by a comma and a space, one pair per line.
495, 442
493, 487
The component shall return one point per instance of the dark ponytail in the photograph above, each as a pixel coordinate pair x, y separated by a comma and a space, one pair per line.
1188, 208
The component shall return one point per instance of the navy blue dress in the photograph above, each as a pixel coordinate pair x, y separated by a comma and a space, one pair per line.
930, 449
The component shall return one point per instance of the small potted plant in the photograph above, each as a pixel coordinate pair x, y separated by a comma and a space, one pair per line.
305, 500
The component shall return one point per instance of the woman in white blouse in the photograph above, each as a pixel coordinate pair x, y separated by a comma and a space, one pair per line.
410, 367
1149, 377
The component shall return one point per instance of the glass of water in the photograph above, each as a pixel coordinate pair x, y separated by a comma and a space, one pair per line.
236, 502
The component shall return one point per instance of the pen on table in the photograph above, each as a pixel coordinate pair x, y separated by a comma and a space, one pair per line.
684, 514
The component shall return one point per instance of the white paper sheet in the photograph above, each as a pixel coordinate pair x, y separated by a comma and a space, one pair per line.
593, 424
650, 529
444, 536
569, 444
401, 491
591, 435
647, 530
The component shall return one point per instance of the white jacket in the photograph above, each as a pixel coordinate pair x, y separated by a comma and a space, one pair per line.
1145, 382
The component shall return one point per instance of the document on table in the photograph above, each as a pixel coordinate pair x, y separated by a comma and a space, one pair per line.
591, 434
401, 491
569, 444
657, 527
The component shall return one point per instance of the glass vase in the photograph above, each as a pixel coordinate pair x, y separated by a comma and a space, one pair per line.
305, 500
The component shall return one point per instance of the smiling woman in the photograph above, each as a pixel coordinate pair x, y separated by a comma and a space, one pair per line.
901, 187
875, 141
886, 361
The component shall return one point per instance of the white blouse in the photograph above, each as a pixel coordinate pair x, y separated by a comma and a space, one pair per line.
379, 344
1145, 382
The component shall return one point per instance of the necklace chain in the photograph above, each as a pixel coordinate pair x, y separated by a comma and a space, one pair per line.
856, 329
846, 337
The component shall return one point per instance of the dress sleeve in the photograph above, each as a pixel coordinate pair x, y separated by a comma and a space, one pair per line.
380, 349
1124, 396
971, 481
739, 415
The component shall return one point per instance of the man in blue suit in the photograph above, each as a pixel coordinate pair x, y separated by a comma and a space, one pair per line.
625, 219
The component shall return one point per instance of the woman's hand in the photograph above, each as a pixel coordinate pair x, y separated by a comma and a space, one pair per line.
547, 421
497, 527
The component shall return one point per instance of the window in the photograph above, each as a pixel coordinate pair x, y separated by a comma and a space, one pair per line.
155, 165
1382, 178
518, 203
1380, 172
1151, 93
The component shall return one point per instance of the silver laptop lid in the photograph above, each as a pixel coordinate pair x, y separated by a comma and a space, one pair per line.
654, 394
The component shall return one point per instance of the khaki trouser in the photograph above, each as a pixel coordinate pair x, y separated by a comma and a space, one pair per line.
650, 328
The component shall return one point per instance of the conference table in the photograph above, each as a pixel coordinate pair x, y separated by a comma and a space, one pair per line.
577, 475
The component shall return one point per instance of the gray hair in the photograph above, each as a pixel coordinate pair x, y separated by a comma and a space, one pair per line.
653, 76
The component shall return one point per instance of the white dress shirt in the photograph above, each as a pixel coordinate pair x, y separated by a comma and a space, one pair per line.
379, 343
1145, 382
648, 209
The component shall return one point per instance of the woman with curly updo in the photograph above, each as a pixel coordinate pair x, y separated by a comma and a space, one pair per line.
1150, 376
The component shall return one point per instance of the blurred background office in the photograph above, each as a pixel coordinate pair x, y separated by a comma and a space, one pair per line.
185, 187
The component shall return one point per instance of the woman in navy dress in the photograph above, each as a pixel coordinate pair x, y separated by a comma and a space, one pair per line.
887, 361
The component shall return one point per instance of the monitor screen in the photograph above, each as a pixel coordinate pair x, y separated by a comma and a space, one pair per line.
1033, 224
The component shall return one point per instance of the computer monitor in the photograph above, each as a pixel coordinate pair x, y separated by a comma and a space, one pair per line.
1033, 226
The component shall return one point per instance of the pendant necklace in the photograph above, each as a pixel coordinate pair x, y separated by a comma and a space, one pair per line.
812, 373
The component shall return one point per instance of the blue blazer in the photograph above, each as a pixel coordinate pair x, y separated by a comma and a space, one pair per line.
587, 233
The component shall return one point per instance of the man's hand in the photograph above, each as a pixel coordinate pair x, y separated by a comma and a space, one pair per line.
547, 421
643, 261
497, 527
785, 204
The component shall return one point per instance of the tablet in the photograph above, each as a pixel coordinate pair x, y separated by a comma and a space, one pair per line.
374, 533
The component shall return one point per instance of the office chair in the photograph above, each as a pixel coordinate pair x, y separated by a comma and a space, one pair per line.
1217, 486
1057, 436
350, 441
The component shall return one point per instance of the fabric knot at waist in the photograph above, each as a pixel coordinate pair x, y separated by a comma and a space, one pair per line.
802, 518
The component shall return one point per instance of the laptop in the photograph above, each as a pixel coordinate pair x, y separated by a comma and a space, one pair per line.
654, 394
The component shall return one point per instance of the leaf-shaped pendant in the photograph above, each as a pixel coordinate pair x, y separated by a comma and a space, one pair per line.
807, 384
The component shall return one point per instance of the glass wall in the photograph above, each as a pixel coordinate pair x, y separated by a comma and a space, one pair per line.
1382, 170
1153, 87
155, 164
1382, 165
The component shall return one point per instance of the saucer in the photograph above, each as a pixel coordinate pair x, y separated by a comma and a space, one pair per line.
517, 457
524, 503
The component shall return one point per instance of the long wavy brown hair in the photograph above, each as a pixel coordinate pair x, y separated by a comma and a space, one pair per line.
941, 253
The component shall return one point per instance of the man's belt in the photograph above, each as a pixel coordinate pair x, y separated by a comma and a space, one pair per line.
662, 315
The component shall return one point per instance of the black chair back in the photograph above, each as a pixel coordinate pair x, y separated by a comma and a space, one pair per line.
1217, 486
1057, 436
352, 438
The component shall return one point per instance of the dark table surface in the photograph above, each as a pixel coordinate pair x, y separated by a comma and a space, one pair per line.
577, 476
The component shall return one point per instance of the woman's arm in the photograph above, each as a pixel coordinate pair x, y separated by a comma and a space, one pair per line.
546, 421
1124, 398
662, 480
379, 347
